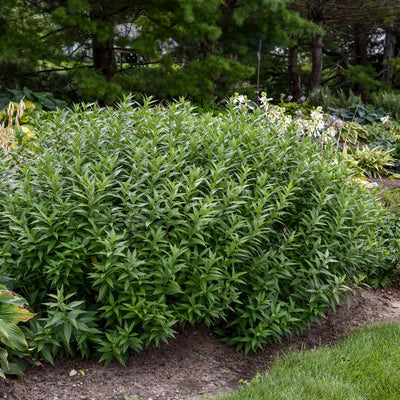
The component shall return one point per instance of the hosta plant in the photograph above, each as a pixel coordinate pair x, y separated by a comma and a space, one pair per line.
43, 100
147, 218
361, 113
370, 161
353, 132
13, 345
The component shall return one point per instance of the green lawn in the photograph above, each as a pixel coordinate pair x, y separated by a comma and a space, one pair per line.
364, 366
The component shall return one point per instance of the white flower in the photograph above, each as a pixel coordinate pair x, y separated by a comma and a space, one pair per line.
385, 119
264, 100
240, 99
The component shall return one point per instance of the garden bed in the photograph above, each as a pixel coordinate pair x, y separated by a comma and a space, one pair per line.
130, 225
193, 363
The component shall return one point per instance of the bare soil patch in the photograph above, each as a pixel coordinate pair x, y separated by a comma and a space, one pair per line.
386, 182
193, 363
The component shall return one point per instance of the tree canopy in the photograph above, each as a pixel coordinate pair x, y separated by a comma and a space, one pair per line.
205, 50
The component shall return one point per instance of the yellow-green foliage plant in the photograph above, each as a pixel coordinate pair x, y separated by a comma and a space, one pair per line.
13, 345
126, 223
370, 162
15, 125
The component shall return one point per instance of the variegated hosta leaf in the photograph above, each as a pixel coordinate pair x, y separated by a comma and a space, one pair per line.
12, 336
14, 314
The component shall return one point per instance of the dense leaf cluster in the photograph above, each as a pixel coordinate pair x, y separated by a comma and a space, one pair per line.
137, 220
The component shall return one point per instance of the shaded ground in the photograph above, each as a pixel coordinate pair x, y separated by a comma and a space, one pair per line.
192, 364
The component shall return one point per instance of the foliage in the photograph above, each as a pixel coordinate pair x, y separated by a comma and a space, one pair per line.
93, 86
156, 217
353, 132
54, 45
370, 161
378, 132
326, 98
342, 371
200, 80
314, 124
362, 77
67, 328
15, 128
42, 100
297, 109
391, 199
389, 102
363, 114
13, 345
89, 42
392, 145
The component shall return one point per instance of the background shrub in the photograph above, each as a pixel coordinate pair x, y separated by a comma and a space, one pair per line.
390, 102
138, 220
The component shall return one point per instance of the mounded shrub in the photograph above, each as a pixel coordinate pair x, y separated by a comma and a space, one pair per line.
136, 220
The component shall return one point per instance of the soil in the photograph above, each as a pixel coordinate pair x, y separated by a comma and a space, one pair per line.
386, 182
194, 363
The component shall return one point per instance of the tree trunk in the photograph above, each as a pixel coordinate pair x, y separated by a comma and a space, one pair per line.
388, 53
104, 57
103, 39
294, 76
360, 44
361, 58
316, 56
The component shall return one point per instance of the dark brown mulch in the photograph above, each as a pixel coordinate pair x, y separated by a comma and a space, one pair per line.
192, 364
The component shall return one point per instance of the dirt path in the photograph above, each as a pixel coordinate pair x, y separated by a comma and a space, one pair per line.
192, 364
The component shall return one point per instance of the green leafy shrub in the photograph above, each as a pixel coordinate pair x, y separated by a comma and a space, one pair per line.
93, 86
391, 232
201, 80
154, 218
13, 346
391, 200
67, 330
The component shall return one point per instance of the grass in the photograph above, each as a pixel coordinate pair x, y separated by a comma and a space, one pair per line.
364, 366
